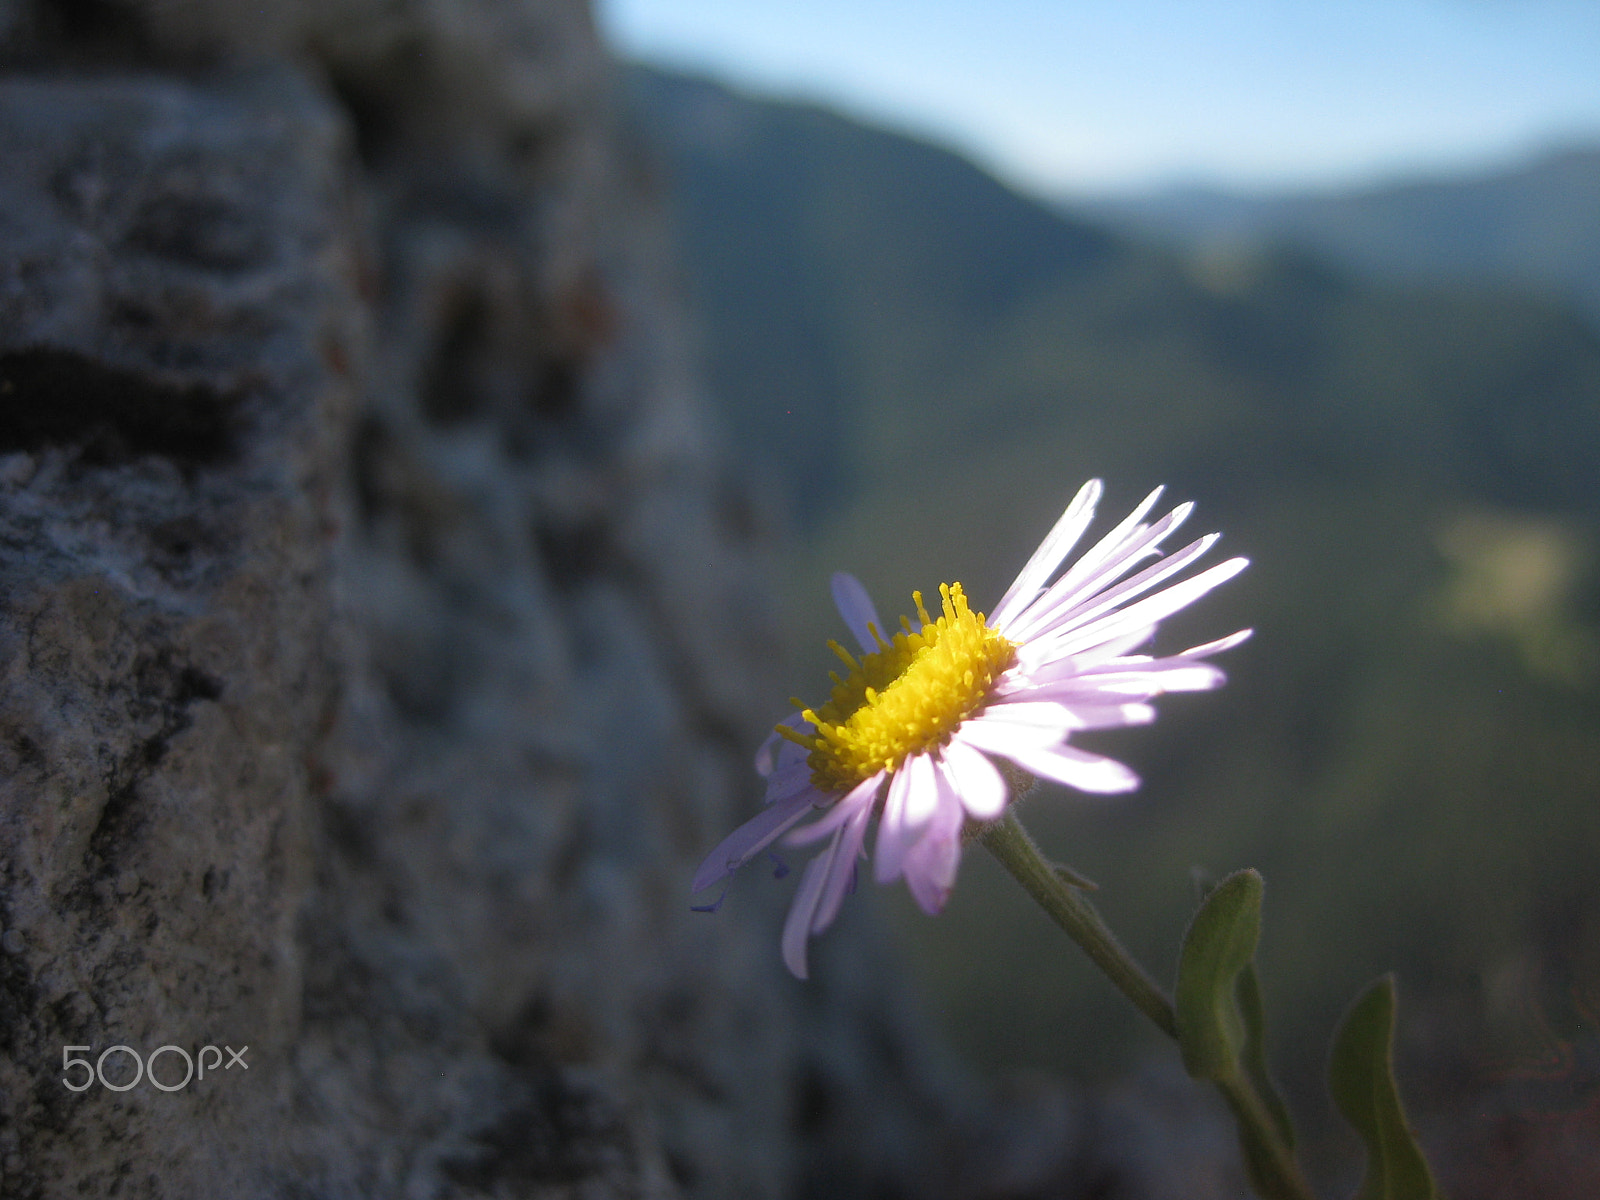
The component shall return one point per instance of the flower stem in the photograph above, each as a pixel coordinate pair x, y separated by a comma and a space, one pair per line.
1008, 841
1272, 1167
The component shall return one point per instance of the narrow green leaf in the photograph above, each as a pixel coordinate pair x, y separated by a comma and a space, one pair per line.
1253, 1056
1220, 943
1072, 879
1361, 1078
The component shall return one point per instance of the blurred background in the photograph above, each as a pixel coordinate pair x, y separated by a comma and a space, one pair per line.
1333, 271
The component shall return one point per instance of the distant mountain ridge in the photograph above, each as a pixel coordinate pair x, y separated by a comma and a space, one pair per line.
870, 302
831, 259
1535, 226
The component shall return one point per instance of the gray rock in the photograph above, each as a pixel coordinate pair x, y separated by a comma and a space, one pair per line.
378, 636
174, 287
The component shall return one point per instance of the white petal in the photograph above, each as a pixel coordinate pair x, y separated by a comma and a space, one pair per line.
1042, 661
1178, 677
1090, 576
930, 867
797, 928
894, 837
1029, 711
1096, 713
1102, 687
992, 732
1075, 768
1218, 646
1099, 596
922, 790
1057, 543
1121, 544
975, 779
855, 606
1146, 612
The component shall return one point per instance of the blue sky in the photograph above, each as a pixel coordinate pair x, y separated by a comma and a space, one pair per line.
1064, 97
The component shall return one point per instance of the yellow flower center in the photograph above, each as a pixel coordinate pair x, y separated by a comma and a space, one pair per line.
904, 697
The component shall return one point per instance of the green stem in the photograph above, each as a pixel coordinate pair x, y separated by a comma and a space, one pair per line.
1008, 841
1271, 1165
1273, 1168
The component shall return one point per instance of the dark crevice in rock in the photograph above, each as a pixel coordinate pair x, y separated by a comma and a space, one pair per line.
556, 395
96, 21
546, 1036
559, 1134
368, 444
451, 392
19, 1001
372, 115
170, 689
51, 397
97, 30
574, 554
208, 232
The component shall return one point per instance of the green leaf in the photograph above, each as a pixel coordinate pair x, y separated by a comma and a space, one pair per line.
1219, 945
1361, 1078
1254, 1054
1072, 879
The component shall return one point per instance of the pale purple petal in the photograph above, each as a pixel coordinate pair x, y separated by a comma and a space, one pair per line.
930, 866
1088, 578
786, 782
1100, 713
859, 798
1218, 646
843, 856
1176, 676
1106, 687
981, 787
1082, 604
797, 928
993, 733
1033, 712
1075, 768
855, 606
1147, 611
772, 753
922, 790
1057, 543
1122, 544
751, 838
1038, 662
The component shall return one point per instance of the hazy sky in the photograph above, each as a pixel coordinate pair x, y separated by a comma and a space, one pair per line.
1088, 97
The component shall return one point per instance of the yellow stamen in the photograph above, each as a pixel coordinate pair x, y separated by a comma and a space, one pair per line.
906, 696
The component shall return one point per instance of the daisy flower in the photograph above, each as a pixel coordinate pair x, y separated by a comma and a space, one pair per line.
921, 730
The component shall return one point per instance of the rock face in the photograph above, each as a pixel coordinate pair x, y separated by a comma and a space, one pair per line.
379, 630
384, 641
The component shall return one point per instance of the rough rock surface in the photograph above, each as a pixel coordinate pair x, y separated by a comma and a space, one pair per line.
383, 642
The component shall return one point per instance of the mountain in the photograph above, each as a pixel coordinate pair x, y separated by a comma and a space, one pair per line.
868, 299
1536, 227
839, 268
